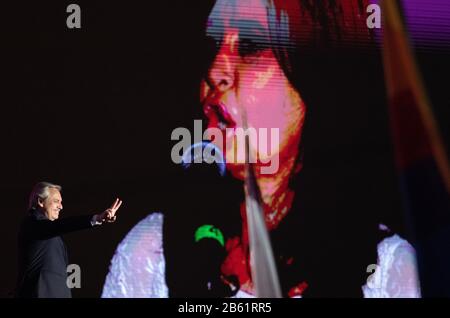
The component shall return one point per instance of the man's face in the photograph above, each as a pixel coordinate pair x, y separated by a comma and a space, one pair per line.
52, 204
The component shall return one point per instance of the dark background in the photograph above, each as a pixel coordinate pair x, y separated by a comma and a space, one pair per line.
93, 109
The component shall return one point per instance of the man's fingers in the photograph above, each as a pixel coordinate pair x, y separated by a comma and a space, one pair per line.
111, 219
119, 203
109, 214
116, 204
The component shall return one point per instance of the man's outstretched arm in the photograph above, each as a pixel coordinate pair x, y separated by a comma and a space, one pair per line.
43, 229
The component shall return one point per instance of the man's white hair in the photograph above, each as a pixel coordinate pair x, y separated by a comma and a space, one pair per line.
41, 191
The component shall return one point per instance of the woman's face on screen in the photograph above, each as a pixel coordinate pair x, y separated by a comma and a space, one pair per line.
246, 88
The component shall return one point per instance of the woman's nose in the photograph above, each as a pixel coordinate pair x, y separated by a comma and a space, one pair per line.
221, 77
222, 72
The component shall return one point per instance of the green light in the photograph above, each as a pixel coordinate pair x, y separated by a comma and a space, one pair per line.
209, 231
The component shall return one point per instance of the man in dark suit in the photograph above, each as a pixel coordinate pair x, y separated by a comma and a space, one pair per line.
42, 253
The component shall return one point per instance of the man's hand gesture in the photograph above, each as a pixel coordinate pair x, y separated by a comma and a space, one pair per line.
109, 215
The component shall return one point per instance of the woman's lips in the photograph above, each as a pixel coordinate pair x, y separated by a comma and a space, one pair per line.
218, 116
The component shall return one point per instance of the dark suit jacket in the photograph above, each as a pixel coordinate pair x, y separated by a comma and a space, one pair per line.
43, 256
